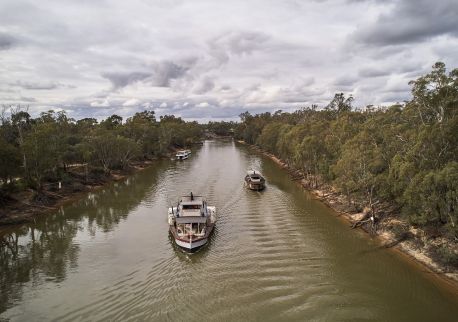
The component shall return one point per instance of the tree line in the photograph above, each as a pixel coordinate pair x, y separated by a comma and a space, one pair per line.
41, 149
405, 154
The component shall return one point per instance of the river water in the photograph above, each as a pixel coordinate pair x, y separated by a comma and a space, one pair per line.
276, 255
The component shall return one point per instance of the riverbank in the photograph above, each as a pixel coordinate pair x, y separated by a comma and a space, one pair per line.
25, 206
391, 230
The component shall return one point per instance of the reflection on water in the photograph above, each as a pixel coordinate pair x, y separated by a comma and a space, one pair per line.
274, 255
44, 251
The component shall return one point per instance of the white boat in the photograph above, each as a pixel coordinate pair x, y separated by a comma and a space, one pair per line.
183, 154
191, 222
254, 180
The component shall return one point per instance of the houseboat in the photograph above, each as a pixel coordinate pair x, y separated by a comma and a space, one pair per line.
254, 180
191, 222
183, 154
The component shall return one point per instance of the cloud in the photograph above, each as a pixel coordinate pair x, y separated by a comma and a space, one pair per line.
345, 80
373, 72
177, 57
41, 85
206, 85
123, 79
131, 102
158, 74
18, 99
7, 41
100, 103
411, 22
166, 71
203, 104
236, 43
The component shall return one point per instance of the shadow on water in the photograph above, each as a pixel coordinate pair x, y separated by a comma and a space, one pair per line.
45, 250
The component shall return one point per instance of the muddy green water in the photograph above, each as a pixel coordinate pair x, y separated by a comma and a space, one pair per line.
276, 255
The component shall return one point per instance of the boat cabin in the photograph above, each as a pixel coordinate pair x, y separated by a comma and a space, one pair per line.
255, 180
191, 217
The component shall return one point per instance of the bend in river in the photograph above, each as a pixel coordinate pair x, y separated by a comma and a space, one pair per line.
274, 255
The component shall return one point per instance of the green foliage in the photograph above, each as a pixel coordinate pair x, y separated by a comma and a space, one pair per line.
221, 128
43, 148
406, 155
10, 158
435, 95
112, 151
432, 197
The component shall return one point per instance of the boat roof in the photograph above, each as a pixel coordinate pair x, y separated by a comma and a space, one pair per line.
191, 220
197, 200
251, 172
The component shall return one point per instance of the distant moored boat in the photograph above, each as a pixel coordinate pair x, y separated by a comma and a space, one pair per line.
183, 154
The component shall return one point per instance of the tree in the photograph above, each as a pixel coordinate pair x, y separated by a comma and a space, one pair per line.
10, 160
433, 197
142, 128
435, 95
112, 151
358, 166
42, 147
112, 122
340, 103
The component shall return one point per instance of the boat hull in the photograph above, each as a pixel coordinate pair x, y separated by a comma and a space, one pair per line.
255, 186
192, 244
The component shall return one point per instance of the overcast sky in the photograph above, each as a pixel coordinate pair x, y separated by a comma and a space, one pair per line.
215, 59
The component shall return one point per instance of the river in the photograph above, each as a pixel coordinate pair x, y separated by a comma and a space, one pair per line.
276, 255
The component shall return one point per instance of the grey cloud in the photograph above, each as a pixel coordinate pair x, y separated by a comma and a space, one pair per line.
236, 43
246, 43
206, 85
158, 74
255, 60
41, 85
411, 22
7, 41
122, 79
19, 99
373, 72
345, 80
165, 72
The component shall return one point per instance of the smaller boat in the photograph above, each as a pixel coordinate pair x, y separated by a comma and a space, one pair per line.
254, 180
183, 154
191, 222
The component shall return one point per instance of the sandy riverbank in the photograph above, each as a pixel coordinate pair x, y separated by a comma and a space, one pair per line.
414, 247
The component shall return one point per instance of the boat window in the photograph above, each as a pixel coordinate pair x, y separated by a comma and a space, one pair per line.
191, 206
